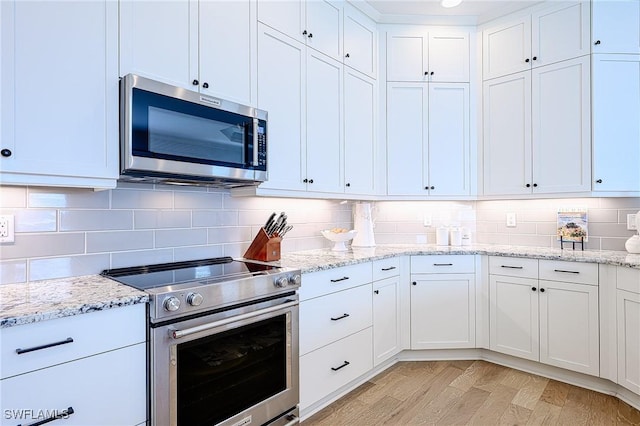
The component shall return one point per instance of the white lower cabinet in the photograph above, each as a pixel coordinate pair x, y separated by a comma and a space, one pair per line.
443, 304
554, 322
628, 319
386, 310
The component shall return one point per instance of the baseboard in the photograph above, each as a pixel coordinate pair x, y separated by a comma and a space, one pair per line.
577, 379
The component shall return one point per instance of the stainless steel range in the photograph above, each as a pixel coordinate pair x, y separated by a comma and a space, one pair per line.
223, 341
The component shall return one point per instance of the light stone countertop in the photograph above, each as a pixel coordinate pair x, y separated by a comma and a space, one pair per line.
25, 303
34, 301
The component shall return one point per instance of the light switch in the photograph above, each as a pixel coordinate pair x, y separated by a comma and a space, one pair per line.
511, 220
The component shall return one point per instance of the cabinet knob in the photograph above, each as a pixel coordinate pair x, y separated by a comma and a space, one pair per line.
414, 283
431, 73
542, 290
310, 180
305, 32
432, 187
533, 289
195, 82
527, 60
376, 291
597, 42
347, 56
310, 35
205, 85
535, 58
348, 185
305, 180
528, 185
6, 152
598, 181
426, 187
535, 185
426, 73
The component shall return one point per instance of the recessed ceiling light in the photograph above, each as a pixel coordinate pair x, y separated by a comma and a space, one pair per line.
450, 3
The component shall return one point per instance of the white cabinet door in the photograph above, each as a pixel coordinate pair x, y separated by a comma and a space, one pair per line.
407, 56
449, 162
324, 124
324, 27
59, 93
443, 311
407, 138
506, 48
360, 41
561, 120
507, 135
360, 133
628, 313
107, 389
616, 26
281, 93
226, 46
386, 319
513, 316
569, 336
448, 57
285, 16
158, 40
616, 128
560, 32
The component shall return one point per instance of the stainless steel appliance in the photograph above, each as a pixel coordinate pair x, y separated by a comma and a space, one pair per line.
173, 135
223, 341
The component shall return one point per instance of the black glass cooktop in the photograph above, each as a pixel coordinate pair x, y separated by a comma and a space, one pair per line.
203, 272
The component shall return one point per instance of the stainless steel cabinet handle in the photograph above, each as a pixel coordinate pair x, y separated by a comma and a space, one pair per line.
48, 345
566, 272
177, 334
339, 279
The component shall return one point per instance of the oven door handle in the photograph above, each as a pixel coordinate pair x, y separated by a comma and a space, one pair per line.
177, 334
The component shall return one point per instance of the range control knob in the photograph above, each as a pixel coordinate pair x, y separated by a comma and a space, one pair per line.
295, 279
280, 282
171, 304
194, 299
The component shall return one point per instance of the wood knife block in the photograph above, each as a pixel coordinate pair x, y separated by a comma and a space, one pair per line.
264, 248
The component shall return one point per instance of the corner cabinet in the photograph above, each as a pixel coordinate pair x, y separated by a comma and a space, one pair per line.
59, 93
205, 46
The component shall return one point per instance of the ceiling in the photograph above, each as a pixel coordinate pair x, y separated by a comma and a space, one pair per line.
473, 10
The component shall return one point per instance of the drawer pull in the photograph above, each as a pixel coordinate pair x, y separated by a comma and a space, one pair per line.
48, 345
390, 268
339, 318
342, 366
443, 264
339, 279
511, 267
62, 415
566, 272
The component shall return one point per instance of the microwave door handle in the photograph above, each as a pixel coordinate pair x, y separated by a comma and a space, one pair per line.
255, 141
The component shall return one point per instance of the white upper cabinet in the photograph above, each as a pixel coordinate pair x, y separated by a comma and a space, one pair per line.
550, 35
420, 55
615, 26
360, 42
616, 128
199, 45
316, 23
59, 93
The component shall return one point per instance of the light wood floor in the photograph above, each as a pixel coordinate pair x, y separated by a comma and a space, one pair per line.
470, 393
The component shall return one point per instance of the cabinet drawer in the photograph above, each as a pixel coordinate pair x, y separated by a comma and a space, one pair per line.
90, 333
327, 369
386, 268
442, 264
513, 267
628, 279
105, 389
572, 272
329, 318
324, 282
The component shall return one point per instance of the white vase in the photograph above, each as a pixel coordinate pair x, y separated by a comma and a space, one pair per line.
633, 244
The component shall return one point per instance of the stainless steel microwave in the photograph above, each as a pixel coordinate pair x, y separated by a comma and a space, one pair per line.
173, 135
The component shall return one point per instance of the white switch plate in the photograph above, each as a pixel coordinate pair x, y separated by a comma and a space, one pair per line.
511, 220
631, 222
427, 219
7, 234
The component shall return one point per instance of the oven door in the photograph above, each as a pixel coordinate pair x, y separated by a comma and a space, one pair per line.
235, 367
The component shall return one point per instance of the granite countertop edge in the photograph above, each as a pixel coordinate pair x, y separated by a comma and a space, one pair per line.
25, 303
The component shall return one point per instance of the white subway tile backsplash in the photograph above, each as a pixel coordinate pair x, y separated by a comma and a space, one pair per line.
13, 197
209, 218
140, 257
34, 220
531, 240
101, 242
68, 198
161, 219
231, 234
197, 200
180, 237
141, 199
199, 252
602, 215
13, 271
68, 266
96, 220
39, 245
609, 230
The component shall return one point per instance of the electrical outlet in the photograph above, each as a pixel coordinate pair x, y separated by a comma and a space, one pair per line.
511, 220
7, 234
427, 219
631, 222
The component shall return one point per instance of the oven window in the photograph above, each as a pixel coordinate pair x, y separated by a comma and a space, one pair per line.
222, 375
